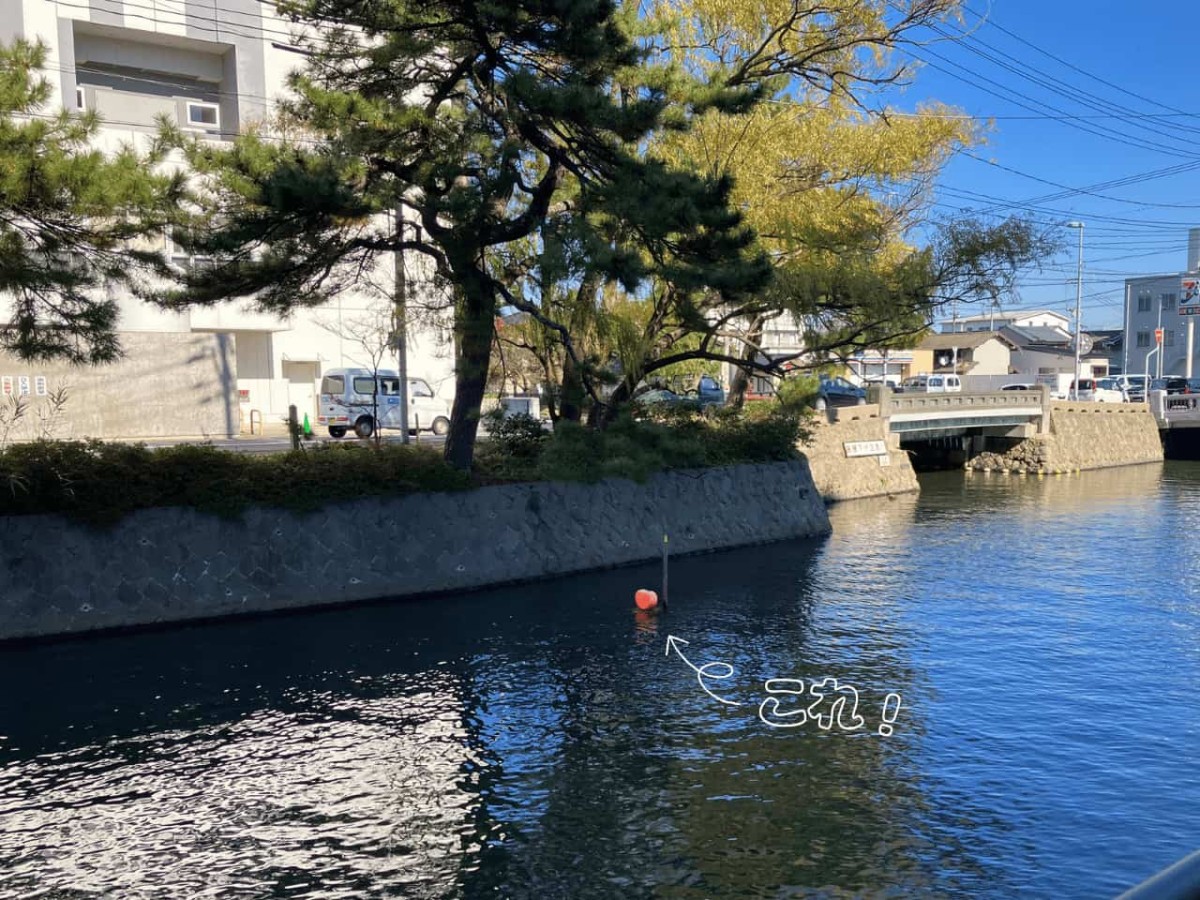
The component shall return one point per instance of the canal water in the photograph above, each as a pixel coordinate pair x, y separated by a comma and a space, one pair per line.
1041, 637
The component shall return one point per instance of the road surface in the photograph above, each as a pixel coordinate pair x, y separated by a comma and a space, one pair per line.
280, 444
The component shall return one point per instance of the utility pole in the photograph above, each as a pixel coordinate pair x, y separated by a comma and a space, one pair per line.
1159, 359
954, 348
400, 324
1125, 336
1078, 307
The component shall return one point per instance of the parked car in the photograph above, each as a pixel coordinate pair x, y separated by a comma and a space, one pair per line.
943, 384
1023, 386
892, 381
837, 391
708, 392
1084, 389
1176, 385
1108, 390
660, 398
353, 398
914, 384
1134, 386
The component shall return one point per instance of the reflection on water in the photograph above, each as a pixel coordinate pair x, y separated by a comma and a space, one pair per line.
538, 742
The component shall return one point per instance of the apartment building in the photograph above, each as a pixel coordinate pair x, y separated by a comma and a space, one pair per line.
1160, 302
997, 319
215, 69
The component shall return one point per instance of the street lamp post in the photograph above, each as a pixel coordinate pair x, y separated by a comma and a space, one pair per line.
1078, 304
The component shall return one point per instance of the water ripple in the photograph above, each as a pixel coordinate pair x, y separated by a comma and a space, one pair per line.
537, 742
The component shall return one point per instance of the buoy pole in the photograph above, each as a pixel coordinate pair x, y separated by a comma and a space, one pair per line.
664, 580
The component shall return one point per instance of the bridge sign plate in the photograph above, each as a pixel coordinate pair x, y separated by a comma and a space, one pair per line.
865, 448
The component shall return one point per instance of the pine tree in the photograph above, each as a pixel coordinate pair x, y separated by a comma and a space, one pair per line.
479, 121
73, 221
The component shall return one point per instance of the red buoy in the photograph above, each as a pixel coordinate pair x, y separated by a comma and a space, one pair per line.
645, 599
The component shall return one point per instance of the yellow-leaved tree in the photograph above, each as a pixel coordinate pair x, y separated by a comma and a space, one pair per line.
831, 181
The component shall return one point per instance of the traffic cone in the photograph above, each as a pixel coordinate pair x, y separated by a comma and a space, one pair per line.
307, 427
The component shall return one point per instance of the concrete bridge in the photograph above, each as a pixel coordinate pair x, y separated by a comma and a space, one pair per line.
1175, 411
863, 451
926, 417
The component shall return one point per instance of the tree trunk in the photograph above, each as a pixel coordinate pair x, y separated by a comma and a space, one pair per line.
571, 397
741, 377
474, 328
617, 400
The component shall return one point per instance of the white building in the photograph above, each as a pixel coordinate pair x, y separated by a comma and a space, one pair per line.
215, 70
994, 321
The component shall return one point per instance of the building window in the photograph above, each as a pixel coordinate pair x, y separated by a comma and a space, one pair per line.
1168, 301
80, 102
203, 115
181, 251
1143, 301
1143, 339
1169, 337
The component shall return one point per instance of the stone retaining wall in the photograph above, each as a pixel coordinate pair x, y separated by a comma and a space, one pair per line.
1082, 436
841, 478
173, 565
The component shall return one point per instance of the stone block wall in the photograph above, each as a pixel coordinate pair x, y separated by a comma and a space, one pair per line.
839, 477
167, 384
173, 565
1082, 436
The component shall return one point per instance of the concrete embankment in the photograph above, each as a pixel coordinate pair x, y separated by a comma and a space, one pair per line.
840, 475
1082, 436
175, 565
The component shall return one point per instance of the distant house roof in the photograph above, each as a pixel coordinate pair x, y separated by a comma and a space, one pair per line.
1004, 317
1107, 339
963, 340
1024, 336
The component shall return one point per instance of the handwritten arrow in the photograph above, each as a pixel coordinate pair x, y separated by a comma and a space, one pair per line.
702, 672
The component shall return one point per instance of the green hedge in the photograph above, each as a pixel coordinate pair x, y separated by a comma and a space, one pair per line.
98, 482
521, 448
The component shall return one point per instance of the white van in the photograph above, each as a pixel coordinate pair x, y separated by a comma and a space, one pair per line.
351, 398
1134, 386
943, 384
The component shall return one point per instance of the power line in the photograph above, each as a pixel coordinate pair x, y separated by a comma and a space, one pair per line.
1023, 69
993, 24
1011, 93
1076, 191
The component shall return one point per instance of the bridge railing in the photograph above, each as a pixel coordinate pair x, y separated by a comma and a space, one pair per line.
1175, 410
892, 403
920, 405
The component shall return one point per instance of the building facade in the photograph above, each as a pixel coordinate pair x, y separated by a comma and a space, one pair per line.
994, 321
1153, 302
215, 70
974, 353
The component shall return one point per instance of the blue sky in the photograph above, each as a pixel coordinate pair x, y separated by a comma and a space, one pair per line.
1081, 93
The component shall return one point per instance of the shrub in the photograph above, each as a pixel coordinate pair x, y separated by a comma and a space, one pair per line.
671, 439
625, 449
98, 482
520, 436
798, 392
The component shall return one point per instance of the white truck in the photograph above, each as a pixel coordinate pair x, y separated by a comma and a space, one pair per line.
361, 400
1059, 384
